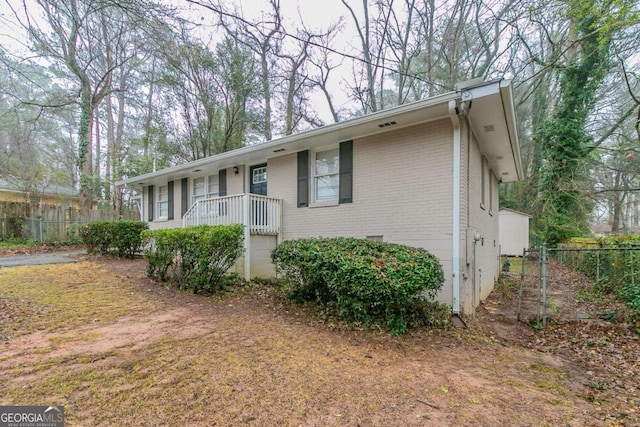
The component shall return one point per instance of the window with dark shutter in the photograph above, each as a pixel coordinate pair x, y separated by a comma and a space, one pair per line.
303, 178
184, 195
150, 204
346, 172
222, 182
170, 200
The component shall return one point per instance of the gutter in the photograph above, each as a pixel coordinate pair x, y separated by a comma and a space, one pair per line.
453, 113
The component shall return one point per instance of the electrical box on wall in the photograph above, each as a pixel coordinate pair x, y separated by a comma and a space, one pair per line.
471, 232
473, 237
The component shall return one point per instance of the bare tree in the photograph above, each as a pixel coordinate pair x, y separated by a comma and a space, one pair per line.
296, 82
77, 37
264, 39
323, 66
368, 85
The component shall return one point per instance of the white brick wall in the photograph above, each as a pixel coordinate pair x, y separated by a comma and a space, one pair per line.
402, 190
482, 221
235, 183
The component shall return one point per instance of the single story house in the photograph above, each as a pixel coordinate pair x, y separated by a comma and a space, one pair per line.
423, 174
514, 232
53, 195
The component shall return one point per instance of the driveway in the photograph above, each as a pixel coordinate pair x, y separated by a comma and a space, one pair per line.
41, 258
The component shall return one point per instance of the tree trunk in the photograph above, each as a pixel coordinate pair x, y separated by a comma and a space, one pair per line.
84, 152
109, 158
266, 92
147, 123
96, 167
117, 143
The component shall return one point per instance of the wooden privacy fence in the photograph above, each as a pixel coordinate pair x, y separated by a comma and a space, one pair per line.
49, 223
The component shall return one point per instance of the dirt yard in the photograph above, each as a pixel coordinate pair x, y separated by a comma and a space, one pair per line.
117, 349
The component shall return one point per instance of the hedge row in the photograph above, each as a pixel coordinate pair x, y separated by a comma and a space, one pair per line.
194, 258
120, 238
363, 280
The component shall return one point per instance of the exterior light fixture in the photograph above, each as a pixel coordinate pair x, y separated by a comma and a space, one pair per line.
236, 170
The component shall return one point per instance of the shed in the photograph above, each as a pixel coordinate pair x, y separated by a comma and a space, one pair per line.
513, 232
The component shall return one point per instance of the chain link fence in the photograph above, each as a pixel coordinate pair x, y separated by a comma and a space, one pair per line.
559, 283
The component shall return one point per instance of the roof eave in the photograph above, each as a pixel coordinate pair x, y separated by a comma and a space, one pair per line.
506, 92
268, 147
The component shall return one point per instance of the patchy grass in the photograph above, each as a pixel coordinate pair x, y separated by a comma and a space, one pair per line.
531, 266
21, 247
16, 244
115, 349
63, 296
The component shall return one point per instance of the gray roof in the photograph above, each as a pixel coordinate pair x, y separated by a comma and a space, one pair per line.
51, 189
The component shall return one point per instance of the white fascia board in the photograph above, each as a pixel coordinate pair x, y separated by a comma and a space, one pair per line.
506, 92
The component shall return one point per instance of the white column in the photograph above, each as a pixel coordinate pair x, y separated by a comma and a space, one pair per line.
246, 221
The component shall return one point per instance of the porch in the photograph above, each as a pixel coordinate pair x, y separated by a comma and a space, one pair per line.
261, 216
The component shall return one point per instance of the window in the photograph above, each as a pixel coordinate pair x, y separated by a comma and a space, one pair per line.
213, 189
490, 191
259, 175
163, 201
483, 182
205, 187
198, 189
326, 175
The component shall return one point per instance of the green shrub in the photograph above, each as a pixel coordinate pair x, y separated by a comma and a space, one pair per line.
364, 281
15, 227
194, 258
120, 238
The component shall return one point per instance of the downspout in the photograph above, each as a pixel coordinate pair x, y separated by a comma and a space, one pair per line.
453, 113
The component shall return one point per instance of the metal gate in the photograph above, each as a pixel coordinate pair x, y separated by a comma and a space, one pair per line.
538, 286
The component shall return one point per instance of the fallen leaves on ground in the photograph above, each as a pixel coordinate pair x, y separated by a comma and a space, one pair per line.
610, 356
117, 349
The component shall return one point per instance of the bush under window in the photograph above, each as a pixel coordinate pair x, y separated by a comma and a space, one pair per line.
364, 281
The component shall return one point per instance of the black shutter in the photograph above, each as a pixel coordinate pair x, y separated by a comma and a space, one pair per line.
222, 182
303, 178
184, 188
150, 205
170, 200
346, 172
